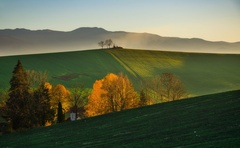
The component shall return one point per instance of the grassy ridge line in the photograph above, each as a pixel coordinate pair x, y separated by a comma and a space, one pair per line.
201, 73
205, 121
145, 62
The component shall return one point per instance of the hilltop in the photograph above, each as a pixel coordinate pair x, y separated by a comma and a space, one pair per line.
23, 41
200, 73
206, 121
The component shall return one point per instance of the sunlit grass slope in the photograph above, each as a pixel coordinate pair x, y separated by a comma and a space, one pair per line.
65, 68
201, 73
206, 121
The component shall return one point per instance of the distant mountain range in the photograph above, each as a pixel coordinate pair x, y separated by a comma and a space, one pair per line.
23, 41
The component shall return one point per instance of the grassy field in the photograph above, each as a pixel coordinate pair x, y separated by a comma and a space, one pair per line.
64, 68
206, 121
201, 73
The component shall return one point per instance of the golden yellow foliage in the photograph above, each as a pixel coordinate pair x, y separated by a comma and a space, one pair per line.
97, 105
48, 85
59, 94
112, 93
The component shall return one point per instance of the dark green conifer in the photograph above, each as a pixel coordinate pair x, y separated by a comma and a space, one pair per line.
60, 116
43, 111
143, 98
19, 102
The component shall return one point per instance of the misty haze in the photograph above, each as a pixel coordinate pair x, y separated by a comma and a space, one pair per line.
23, 41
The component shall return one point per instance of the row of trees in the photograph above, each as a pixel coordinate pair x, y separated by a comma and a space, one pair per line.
108, 43
21, 109
116, 93
32, 101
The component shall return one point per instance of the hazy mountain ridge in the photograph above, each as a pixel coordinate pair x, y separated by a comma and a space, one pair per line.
23, 41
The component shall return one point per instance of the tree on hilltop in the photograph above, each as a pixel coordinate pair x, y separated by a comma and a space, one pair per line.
109, 43
101, 44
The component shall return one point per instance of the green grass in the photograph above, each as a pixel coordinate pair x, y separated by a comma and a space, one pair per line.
201, 73
205, 121
64, 68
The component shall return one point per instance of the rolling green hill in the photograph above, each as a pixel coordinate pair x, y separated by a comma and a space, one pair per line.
201, 73
65, 68
206, 121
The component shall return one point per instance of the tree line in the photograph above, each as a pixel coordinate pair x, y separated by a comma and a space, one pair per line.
31, 101
109, 44
116, 93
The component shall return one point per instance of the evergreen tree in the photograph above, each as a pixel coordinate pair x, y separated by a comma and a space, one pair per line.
60, 116
143, 98
43, 111
19, 102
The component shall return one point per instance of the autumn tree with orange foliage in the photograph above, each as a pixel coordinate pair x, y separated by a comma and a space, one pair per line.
111, 94
60, 94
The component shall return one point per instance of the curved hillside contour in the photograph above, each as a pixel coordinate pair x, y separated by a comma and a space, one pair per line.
200, 73
206, 121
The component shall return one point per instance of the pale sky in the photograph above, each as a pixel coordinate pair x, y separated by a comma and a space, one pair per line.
214, 20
